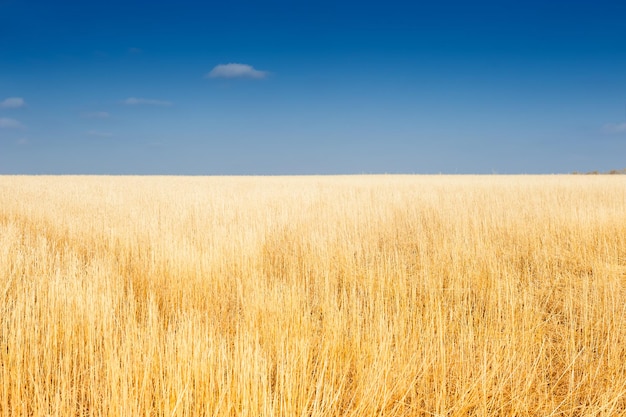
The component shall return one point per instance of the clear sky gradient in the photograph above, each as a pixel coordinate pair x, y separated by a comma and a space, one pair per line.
311, 87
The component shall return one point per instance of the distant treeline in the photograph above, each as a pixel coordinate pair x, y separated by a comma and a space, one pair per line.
611, 172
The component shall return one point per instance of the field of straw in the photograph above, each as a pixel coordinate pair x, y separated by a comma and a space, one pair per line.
313, 296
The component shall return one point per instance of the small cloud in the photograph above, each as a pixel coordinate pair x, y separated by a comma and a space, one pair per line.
22, 142
615, 128
96, 115
12, 103
99, 134
236, 71
133, 101
134, 50
9, 123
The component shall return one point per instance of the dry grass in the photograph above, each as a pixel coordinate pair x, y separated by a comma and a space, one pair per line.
313, 296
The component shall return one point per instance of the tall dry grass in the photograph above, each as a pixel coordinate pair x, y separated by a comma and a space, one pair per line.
313, 296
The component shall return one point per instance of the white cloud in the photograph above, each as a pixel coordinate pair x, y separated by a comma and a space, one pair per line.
22, 142
615, 128
97, 115
9, 123
132, 101
12, 103
236, 71
99, 134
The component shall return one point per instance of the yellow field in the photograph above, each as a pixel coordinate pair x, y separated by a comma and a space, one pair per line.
313, 296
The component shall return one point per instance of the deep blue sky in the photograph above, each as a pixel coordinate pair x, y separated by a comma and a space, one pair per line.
132, 87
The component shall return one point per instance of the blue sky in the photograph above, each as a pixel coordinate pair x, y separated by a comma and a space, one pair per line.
311, 87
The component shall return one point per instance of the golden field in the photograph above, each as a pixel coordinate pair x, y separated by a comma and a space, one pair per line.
313, 296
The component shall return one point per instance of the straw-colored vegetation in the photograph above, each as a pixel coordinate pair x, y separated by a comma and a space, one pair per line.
313, 296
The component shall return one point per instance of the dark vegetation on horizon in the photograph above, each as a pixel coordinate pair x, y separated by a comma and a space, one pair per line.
611, 172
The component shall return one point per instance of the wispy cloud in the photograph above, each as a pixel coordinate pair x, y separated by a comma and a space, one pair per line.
96, 115
22, 142
134, 50
99, 134
133, 101
5, 122
12, 103
615, 128
236, 71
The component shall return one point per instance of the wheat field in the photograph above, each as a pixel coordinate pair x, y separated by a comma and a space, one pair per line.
313, 296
